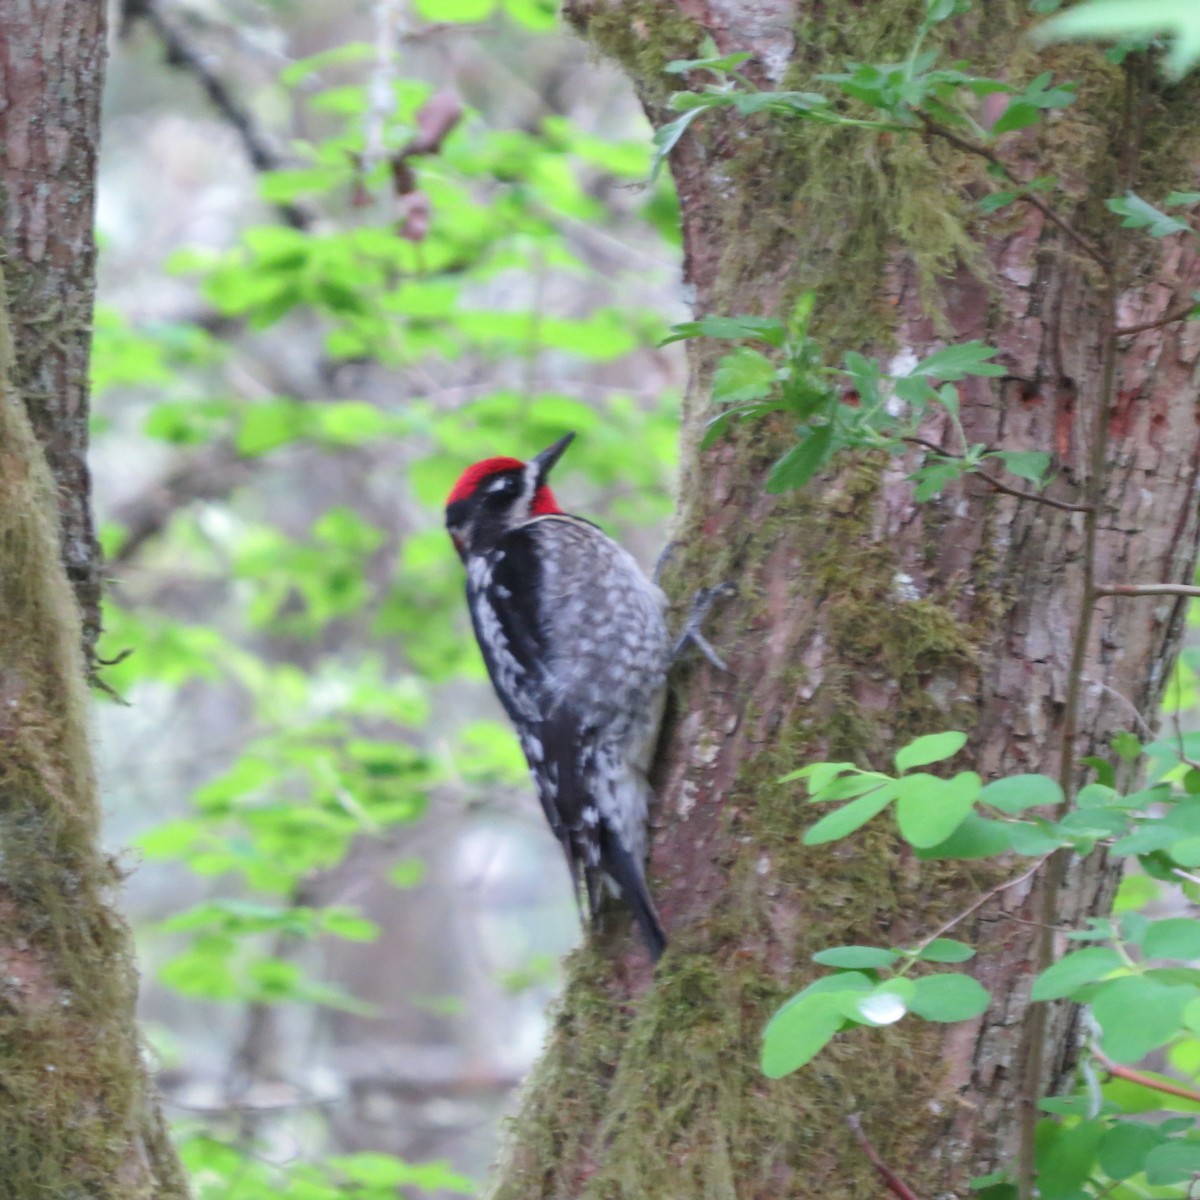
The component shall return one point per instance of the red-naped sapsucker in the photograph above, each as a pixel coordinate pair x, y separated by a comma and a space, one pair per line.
576, 646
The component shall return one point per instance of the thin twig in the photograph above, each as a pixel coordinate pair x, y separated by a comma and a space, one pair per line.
895, 1184
990, 894
1178, 314
1142, 723
179, 52
1145, 589
1148, 1081
992, 481
1023, 193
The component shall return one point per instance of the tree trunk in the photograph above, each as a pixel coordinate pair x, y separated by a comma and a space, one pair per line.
865, 618
78, 1115
52, 56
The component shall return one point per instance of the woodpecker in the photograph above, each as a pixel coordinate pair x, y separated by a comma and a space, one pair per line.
575, 642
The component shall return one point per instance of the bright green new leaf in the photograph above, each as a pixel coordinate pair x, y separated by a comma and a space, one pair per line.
845, 820
1137, 1014
800, 1030
743, 374
957, 362
856, 957
1015, 793
819, 775
1140, 214
1025, 464
949, 998
945, 950
976, 837
1075, 970
460, 12
928, 809
846, 787
931, 748
1118, 19
1176, 937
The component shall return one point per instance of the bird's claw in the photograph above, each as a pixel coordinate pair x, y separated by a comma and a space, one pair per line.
702, 603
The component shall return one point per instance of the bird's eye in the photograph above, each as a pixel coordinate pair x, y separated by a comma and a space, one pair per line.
502, 489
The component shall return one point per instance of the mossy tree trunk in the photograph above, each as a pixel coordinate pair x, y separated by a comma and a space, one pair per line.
78, 1114
866, 618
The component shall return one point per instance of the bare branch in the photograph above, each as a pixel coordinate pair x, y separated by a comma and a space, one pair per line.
179, 52
1146, 589
895, 1184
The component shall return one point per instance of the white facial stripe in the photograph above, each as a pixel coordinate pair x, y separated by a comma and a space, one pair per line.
531, 486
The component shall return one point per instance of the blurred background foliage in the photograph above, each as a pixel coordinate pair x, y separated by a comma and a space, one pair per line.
346, 251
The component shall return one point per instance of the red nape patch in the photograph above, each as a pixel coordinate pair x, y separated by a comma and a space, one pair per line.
544, 502
471, 478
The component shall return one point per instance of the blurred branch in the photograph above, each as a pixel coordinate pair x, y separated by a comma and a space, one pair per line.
212, 474
179, 51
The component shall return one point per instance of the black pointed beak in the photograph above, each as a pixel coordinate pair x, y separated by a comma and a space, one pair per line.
548, 457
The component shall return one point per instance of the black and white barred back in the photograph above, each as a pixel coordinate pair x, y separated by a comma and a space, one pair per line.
576, 645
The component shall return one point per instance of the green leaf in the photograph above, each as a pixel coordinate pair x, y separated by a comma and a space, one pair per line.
1015, 793
762, 329
1025, 464
408, 872
949, 998
997, 201
1176, 937
722, 64
1018, 115
946, 950
1033, 838
801, 462
743, 374
1073, 971
818, 775
1139, 214
976, 837
666, 138
800, 1030
928, 809
933, 747
1124, 1149
1119, 19
849, 817
350, 924
1138, 1014
1066, 1155
460, 12
847, 786
854, 957
1174, 1162
957, 362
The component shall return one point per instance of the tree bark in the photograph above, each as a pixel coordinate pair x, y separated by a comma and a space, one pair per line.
78, 1113
866, 619
52, 56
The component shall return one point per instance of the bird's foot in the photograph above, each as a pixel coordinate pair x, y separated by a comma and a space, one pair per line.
702, 603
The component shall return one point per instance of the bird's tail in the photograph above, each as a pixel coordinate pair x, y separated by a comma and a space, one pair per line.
627, 874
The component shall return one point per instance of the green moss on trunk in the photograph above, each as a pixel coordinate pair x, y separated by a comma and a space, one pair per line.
77, 1117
